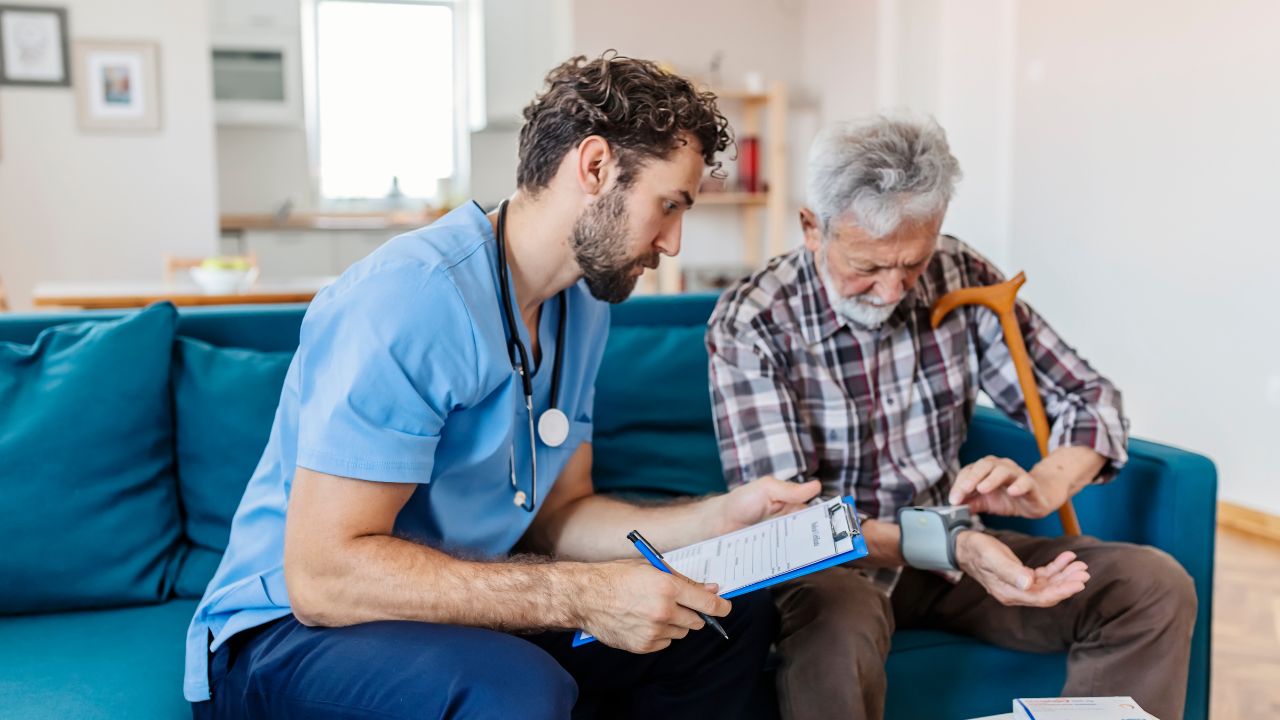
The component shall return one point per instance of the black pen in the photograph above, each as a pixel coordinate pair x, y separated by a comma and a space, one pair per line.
655, 559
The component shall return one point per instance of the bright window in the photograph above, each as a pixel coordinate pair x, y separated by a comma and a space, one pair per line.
385, 97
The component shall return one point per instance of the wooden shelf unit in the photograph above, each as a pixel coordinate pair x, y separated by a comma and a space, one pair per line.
733, 198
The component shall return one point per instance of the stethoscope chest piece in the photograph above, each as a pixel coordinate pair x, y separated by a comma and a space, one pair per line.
553, 427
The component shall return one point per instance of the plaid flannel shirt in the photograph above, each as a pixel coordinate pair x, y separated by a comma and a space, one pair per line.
799, 392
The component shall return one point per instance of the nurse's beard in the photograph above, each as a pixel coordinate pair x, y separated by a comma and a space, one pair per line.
599, 243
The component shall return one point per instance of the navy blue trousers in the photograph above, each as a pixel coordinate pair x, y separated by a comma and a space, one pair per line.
399, 669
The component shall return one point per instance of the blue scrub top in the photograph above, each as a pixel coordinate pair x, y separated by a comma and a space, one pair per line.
402, 375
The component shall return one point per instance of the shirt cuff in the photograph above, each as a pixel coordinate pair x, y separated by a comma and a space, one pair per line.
393, 471
1094, 435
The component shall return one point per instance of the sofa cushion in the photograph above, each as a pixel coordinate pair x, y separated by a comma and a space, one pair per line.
966, 678
87, 488
225, 400
121, 663
653, 428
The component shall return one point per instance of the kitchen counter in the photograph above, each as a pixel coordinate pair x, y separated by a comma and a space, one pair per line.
395, 222
98, 295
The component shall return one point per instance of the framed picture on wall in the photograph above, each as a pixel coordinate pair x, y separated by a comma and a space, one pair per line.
117, 85
33, 46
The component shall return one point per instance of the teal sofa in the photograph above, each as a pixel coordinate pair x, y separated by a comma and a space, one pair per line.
654, 436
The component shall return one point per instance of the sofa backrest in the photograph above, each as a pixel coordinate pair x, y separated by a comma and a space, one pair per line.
654, 433
256, 327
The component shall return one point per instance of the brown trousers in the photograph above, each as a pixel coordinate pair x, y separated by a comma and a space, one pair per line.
1128, 633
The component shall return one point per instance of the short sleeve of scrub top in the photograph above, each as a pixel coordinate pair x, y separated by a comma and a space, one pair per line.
374, 394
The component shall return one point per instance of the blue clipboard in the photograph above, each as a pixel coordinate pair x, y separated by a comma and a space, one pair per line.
859, 551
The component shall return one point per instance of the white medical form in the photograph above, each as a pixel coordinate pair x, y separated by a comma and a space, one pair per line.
769, 549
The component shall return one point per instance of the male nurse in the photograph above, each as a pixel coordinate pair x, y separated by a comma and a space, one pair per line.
394, 555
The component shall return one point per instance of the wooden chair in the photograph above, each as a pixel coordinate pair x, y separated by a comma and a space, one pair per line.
173, 263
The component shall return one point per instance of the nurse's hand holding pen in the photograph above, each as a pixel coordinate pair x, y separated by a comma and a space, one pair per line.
640, 609
635, 607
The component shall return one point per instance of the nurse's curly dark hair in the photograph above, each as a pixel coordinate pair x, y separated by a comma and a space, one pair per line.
643, 111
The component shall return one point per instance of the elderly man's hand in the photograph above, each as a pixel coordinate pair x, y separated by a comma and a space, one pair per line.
762, 499
990, 562
1000, 486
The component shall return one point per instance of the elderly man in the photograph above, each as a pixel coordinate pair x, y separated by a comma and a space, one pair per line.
824, 365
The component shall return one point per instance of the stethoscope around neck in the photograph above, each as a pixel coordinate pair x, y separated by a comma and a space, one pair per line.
553, 425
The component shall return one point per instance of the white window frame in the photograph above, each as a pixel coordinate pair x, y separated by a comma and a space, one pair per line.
467, 85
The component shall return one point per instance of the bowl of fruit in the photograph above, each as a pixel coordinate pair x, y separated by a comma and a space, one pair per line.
224, 275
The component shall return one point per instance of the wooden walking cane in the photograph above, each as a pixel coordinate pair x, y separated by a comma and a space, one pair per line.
1000, 299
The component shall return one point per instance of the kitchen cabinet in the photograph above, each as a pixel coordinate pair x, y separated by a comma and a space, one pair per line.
255, 53
286, 253
351, 247
255, 16
291, 253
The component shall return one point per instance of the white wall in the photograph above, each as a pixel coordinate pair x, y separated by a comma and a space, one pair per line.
954, 61
975, 105
839, 51
523, 41
1144, 175
80, 205
840, 46
260, 167
1123, 155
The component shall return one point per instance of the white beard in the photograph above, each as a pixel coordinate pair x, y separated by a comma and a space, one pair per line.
866, 311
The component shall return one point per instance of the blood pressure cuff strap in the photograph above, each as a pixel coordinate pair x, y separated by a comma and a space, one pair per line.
929, 535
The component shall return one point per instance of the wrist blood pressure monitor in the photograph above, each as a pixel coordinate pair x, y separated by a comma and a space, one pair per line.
929, 535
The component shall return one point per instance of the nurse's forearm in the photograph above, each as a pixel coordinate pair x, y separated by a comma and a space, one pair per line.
380, 577
573, 523
344, 565
627, 604
594, 527
590, 527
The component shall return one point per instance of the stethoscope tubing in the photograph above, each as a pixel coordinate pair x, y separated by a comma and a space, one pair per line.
519, 357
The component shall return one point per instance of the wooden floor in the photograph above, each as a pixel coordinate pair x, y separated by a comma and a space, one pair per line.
1246, 628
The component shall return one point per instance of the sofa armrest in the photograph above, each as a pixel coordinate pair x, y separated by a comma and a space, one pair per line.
1164, 497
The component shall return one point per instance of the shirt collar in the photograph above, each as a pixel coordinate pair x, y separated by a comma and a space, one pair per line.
818, 320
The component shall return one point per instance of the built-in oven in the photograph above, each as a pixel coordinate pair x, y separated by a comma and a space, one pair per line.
256, 81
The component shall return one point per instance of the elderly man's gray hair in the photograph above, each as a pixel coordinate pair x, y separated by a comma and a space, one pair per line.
882, 171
